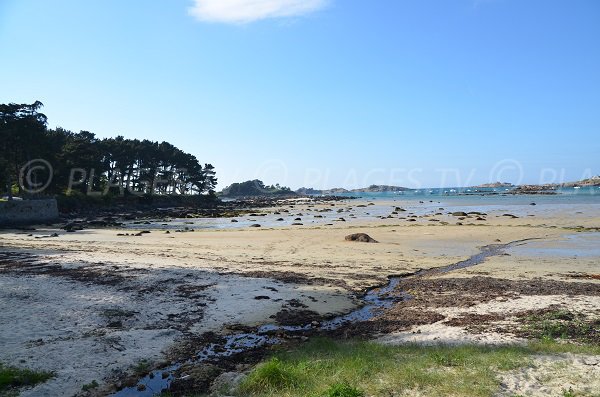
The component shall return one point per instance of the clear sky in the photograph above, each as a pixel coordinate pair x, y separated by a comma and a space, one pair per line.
323, 93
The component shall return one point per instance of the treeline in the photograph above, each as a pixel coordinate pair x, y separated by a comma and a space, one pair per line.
255, 188
83, 163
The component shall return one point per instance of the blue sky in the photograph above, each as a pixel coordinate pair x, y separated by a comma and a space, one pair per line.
323, 93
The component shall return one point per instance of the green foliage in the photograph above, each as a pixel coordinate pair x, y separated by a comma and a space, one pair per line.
325, 367
568, 393
272, 375
22, 129
562, 324
343, 390
255, 188
113, 166
12, 378
142, 368
90, 386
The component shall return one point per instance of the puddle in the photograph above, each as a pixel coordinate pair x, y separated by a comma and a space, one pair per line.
581, 245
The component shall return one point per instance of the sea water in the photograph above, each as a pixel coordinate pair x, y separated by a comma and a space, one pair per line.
416, 202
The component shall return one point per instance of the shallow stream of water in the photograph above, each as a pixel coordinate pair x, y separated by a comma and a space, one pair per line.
374, 300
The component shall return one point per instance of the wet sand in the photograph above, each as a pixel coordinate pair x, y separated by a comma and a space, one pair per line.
92, 304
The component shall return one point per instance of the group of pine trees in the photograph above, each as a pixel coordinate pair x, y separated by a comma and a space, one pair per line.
83, 163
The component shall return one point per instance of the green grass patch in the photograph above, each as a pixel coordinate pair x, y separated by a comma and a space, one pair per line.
12, 378
343, 390
562, 324
141, 368
90, 386
329, 368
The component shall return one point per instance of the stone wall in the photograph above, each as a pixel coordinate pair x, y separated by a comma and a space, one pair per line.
19, 212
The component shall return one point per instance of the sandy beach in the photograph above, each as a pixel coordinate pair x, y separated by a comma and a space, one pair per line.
93, 304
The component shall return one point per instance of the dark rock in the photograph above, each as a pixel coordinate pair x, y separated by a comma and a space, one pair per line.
296, 317
296, 303
71, 227
255, 225
360, 237
199, 377
459, 213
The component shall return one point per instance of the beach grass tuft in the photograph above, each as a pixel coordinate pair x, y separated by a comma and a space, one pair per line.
343, 390
12, 378
330, 368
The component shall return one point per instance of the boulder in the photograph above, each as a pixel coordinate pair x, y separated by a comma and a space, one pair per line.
227, 383
194, 377
360, 237
459, 213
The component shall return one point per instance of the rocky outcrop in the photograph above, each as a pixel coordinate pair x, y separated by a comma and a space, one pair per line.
380, 189
494, 185
593, 181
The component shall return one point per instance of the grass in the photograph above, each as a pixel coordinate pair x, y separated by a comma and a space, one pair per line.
329, 368
12, 378
90, 386
343, 390
141, 368
562, 324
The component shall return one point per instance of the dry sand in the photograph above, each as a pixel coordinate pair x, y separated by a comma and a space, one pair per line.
554, 375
